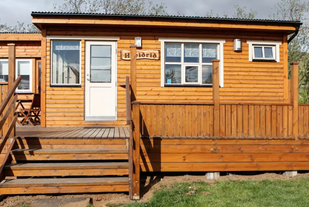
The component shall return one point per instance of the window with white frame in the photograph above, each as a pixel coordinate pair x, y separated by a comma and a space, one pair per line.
4, 70
23, 69
66, 67
264, 51
189, 63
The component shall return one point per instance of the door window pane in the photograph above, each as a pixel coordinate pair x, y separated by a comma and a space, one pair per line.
100, 64
191, 74
172, 74
172, 52
103, 76
4, 68
100, 51
206, 74
66, 62
192, 53
24, 70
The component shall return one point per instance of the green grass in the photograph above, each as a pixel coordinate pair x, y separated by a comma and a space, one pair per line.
231, 193
23, 205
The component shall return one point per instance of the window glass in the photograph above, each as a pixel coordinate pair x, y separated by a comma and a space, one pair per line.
4, 68
100, 63
192, 53
258, 52
207, 74
209, 52
173, 52
66, 62
268, 52
24, 70
172, 74
191, 74
195, 63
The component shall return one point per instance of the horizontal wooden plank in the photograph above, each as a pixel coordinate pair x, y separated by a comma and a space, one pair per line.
221, 167
108, 188
67, 169
197, 149
70, 151
63, 142
188, 141
223, 158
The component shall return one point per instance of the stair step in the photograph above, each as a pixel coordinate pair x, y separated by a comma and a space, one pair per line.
69, 154
67, 169
64, 185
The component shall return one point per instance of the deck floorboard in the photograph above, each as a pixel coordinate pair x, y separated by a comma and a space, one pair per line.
74, 132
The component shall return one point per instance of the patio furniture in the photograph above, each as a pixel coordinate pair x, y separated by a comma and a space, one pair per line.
32, 114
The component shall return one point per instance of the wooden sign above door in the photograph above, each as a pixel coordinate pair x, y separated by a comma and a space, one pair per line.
141, 54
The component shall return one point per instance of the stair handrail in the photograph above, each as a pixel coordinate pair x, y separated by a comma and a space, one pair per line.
8, 103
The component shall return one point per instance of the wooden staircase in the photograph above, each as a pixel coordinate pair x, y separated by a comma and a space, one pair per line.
67, 169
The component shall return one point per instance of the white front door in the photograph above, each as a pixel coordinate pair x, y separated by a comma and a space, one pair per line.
100, 81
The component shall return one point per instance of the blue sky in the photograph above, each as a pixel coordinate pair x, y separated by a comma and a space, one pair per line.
12, 11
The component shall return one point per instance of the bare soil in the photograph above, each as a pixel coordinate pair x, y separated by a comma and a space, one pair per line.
150, 185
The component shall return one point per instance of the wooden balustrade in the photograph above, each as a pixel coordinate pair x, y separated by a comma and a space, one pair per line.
178, 120
7, 123
235, 120
7, 110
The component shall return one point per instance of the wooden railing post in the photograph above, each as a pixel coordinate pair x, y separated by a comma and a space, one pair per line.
294, 78
133, 72
11, 80
216, 96
43, 76
128, 100
136, 151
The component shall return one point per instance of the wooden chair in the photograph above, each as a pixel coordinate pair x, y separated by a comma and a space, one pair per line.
31, 115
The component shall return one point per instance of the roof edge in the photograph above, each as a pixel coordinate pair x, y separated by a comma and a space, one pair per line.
169, 17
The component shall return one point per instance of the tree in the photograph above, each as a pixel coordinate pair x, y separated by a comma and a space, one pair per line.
297, 10
241, 12
140, 7
19, 27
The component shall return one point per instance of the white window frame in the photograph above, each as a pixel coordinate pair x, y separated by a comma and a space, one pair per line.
30, 73
274, 44
80, 63
220, 56
5, 60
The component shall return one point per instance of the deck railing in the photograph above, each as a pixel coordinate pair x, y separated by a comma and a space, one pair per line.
7, 124
235, 120
7, 111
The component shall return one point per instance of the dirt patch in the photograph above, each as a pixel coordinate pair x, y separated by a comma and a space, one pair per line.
150, 185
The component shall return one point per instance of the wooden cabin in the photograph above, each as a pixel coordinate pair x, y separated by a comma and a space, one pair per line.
158, 94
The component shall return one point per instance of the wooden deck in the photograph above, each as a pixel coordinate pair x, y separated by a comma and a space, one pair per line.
74, 132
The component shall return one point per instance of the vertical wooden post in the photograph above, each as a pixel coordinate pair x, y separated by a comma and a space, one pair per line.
290, 91
136, 150
294, 78
216, 96
11, 79
128, 100
43, 78
133, 72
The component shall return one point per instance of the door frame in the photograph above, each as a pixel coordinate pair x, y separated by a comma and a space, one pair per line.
114, 77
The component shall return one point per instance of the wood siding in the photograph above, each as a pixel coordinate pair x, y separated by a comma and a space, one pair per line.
244, 81
183, 155
23, 49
